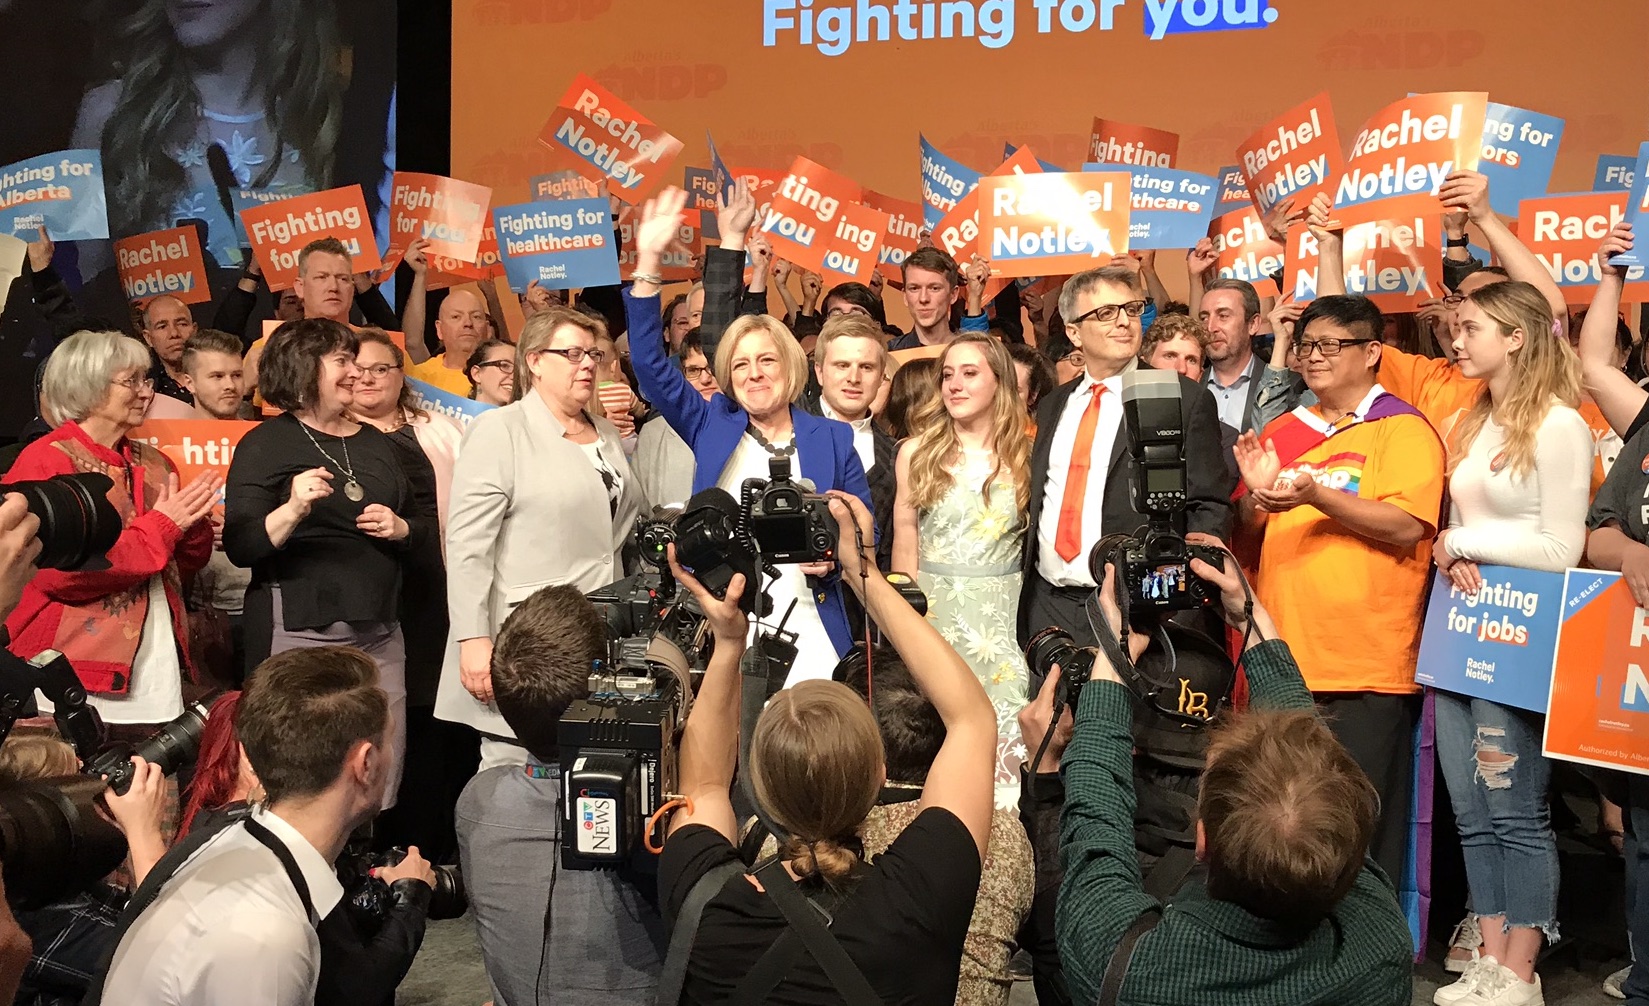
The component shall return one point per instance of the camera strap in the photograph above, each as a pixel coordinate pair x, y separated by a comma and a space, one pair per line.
673, 977
168, 866
808, 923
1116, 971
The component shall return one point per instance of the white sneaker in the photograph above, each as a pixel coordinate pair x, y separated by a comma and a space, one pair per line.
1468, 936
1501, 987
1451, 995
1614, 985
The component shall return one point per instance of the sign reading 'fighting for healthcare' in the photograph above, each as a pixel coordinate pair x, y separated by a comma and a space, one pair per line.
1046, 223
1171, 208
560, 245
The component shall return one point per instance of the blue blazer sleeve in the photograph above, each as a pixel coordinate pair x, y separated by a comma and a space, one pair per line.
661, 383
850, 476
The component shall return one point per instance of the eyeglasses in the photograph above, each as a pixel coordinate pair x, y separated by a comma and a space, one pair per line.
696, 373
378, 370
576, 354
504, 366
138, 384
1106, 314
1074, 358
1454, 300
1328, 347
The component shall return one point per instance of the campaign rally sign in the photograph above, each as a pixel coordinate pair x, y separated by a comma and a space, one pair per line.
62, 192
1245, 250
945, 181
1637, 203
904, 228
435, 401
195, 445
1301, 263
854, 249
1008, 150
802, 215
1114, 142
488, 264
1294, 156
1394, 251
1564, 230
700, 186
1615, 173
676, 264
1495, 644
958, 233
1171, 208
1598, 708
564, 184
561, 244
1233, 192
446, 212
615, 139
169, 262
243, 199
1411, 145
1053, 224
1519, 152
279, 230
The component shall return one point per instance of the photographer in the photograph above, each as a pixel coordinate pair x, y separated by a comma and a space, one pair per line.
598, 938
230, 915
1294, 911
816, 766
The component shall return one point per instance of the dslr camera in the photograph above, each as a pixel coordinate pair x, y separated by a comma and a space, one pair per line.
367, 896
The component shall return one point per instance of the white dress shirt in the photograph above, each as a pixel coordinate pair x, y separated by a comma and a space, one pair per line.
864, 441
229, 928
1053, 568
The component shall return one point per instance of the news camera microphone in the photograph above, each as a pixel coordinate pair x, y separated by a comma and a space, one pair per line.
1156, 439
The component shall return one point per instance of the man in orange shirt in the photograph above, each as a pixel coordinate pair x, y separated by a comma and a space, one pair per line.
1346, 494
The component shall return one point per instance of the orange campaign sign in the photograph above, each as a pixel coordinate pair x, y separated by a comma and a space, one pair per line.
1394, 251
1564, 231
1296, 155
279, 230
1115, 142
488, 264
1411, 145
958, 233
904, 229
600, 129
1598, 712
802, 215
196, 445
1300, 264
1053, 224
446, 212
676, 265
168, 262
1245, 250
853, 249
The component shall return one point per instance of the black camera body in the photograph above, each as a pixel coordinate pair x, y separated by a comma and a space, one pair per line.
790, 522
171, 747
618, 762
1154, 565
367, 896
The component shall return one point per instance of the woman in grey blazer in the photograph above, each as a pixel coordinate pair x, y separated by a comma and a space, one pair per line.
541, 495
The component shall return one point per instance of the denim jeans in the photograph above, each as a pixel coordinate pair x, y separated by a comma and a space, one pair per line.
1500, 807
1637, 887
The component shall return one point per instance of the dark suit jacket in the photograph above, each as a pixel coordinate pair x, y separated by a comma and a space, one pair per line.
883, 485
1256, 370
1208, 482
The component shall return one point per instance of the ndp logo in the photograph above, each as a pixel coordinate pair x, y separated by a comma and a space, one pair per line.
1401, 50
494, 12
662, 80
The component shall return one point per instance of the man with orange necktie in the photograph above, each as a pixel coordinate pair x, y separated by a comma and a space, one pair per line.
1080, 465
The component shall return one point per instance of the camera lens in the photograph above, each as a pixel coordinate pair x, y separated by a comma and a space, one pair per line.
53, 841
78, 524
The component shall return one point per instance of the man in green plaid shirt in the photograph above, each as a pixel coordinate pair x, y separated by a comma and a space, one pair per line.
1293, 912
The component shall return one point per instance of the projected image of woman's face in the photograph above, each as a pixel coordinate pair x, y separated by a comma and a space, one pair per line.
204, 24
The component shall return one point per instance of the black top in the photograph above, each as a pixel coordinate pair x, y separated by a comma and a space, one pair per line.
1620, 500
328, 570
903, 923
424, 587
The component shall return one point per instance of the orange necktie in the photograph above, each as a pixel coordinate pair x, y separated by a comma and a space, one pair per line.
1068, 538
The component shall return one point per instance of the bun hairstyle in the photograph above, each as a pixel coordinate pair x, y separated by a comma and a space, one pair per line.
816, 765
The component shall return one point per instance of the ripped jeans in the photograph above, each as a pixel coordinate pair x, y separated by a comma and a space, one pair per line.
1500, 806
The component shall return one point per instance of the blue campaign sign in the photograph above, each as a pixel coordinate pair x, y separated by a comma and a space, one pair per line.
1008, 150
718, 167
563, 244
1614, 173
1519, 151
456, 408
1497, 644
243, 199
1171, 208
944, 182
1233, 191
62, 192
1637, 204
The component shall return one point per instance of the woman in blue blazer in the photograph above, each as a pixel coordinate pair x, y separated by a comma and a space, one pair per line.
761, 366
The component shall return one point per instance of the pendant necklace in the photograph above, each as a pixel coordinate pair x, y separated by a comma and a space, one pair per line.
352, 488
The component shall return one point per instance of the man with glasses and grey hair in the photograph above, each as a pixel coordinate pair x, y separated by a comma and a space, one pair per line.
1346, 495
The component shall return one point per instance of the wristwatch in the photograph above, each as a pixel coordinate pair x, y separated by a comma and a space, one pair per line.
1460, 242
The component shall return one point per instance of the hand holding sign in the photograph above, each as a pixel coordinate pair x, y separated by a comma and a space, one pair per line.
40, 251
1467, 191
1202, 257
1284, 314
1318, 218
1277, 221
1618, 242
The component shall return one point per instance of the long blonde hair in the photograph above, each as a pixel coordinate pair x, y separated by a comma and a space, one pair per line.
938, 447
1543, 368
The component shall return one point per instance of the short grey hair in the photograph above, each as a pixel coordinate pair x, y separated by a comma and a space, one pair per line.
80, 370
1085, 282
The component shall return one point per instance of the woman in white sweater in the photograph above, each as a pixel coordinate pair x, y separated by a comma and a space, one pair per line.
1519, 470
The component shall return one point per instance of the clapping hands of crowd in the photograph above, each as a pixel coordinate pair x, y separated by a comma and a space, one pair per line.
188, 505
1262, 473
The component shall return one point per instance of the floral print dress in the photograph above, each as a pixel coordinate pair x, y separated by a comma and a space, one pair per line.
969, 568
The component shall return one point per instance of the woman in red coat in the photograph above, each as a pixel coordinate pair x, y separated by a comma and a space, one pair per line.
122, 627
